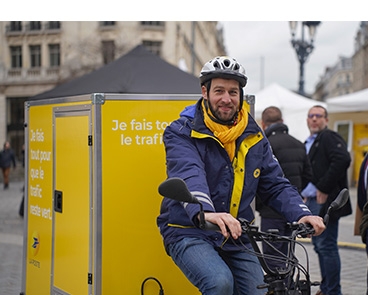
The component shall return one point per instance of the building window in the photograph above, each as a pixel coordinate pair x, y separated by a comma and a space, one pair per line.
16, 118
153, 46
54, 51
345, 129
15, 123
15, 26
16, 56
53, 25
108, 51
153, 24
34, 26
35, 52
107, 24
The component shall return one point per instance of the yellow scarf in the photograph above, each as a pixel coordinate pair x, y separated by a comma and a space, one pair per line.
225, 133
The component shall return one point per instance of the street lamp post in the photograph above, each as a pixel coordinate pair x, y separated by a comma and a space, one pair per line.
302, 47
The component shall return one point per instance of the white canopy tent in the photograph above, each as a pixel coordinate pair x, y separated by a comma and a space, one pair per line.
294, 108
353, 102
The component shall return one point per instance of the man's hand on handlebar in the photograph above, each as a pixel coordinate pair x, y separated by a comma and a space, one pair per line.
315, 221
226, 222
230, 225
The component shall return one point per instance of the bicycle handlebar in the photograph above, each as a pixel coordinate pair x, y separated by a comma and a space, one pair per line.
176, 189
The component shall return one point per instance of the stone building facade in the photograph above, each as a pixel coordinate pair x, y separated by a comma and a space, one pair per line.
349, 74
36, 56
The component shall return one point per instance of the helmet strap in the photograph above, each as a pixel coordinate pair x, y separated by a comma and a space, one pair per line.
241, 98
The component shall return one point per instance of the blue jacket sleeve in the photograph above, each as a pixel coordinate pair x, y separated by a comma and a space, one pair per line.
183, 161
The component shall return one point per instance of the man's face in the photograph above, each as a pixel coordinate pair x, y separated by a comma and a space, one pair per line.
224, 98
316, 120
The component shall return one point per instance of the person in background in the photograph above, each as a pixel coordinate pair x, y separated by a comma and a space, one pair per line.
21, 206
7, 158
330, 160
293, 159
220, 152
362, 202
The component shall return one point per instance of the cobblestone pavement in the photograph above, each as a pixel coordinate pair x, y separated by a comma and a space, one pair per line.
353, 256
11, 239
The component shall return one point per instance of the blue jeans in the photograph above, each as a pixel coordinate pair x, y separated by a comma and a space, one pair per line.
216, 272
325, 245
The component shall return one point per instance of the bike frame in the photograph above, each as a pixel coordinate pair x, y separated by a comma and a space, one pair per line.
278, 281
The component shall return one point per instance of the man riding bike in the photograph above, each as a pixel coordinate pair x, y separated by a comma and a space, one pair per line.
220, 152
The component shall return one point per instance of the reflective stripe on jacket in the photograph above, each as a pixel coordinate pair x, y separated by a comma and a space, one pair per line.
194, 154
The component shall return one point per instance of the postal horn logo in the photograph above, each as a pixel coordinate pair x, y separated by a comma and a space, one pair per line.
35, 243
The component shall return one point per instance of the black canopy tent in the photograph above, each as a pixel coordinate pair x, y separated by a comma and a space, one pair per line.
137, 72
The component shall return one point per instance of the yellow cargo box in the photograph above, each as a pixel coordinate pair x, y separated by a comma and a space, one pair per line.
93, 166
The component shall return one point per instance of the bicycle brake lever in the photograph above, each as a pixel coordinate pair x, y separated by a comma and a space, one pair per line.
305, 229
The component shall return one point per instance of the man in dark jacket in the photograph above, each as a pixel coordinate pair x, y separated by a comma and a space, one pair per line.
7, 158
362, 202
330, 159
294, 162
218, 149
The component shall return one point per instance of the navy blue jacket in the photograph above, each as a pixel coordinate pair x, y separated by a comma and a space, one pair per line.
330, 161
7, 158
194, 154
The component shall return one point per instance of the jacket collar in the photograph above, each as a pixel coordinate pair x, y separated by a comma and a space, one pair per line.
276, 128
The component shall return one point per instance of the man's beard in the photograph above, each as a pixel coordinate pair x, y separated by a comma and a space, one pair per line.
216, 118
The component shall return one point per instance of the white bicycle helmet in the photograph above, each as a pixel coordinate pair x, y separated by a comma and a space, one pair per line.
223, 67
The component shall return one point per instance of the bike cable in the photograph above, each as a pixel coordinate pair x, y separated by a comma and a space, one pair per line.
161, 292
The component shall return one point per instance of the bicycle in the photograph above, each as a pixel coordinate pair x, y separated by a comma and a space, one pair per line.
294, 279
